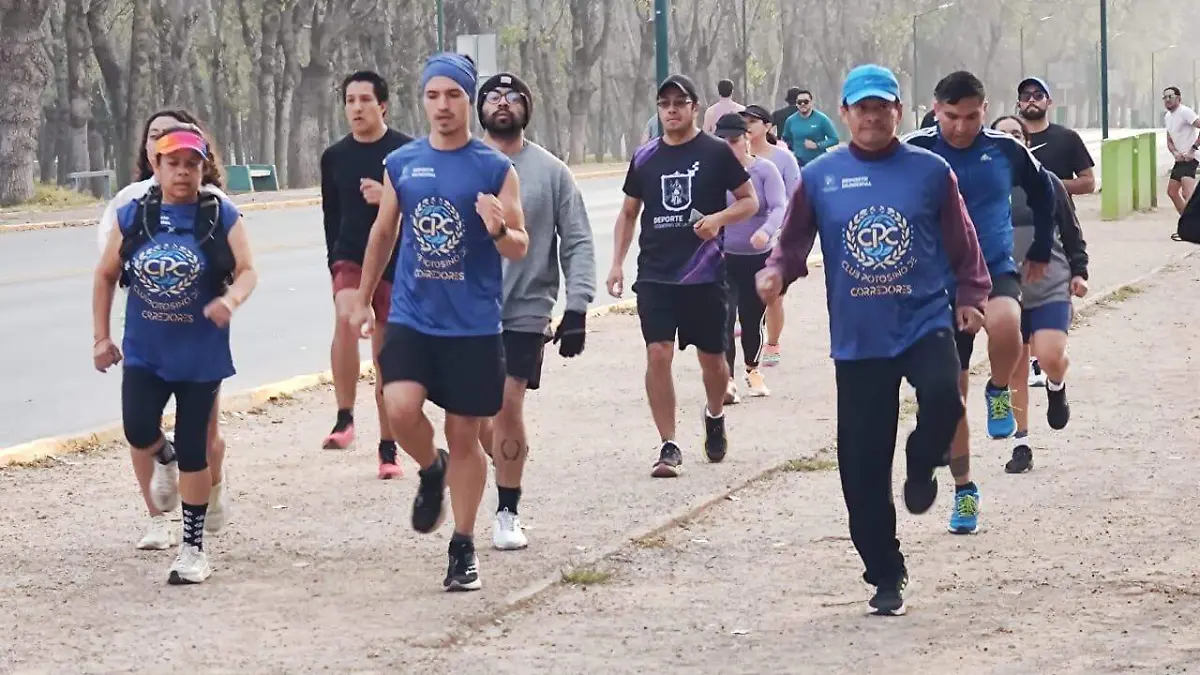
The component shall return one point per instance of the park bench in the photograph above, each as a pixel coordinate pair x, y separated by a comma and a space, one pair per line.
109, 176
252, 178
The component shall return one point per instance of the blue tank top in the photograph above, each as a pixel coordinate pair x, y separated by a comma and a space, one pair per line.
166, 331
449, 279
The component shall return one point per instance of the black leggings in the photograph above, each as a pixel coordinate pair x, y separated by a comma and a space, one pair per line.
744, 303
144, 395
868, 408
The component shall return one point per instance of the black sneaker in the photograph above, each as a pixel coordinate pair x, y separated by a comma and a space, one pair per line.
670, 461
715, 441
920, 489
1058, 411
889, 599
1022, 460
429, 507
462, 574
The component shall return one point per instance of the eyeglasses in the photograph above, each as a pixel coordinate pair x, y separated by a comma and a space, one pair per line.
1027, 96
674, 103
511, 97
1169, 97
803, 102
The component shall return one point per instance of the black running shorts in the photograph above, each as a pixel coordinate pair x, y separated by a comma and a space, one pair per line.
1007, 285
523, 357
695, 313
462, 375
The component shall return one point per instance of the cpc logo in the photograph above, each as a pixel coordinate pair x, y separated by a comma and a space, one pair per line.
167, 273
878, 238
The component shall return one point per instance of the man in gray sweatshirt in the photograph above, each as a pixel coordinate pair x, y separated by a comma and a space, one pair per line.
559, 233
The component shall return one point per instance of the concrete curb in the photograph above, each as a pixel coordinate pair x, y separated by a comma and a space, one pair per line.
242, 401
530, 593
249, 206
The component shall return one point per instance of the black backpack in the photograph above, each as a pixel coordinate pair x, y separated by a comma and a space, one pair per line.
1189, 222
208, 230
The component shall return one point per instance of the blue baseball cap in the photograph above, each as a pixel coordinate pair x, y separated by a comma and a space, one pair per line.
1039, 82
870, 81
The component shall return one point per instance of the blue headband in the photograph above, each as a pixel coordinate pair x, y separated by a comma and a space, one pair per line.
454, 66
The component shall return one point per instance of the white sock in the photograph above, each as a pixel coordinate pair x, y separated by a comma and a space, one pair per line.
711, 416
1021, 439
1055, 386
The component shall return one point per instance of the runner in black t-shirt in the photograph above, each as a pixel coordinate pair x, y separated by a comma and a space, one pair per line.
682, 180
351, 171
1058, 148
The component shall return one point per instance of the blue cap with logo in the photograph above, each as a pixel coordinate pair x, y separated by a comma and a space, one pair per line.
870, 81
1035, 81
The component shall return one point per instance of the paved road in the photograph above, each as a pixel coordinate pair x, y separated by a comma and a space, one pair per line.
50, 387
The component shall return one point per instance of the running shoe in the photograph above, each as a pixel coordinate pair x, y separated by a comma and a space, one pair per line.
715, 441
731, 393
218, 509
389, 467
159, 535
770, 356
920, 488
190, 567
1001, 423
1037, 378
1022, 460
340, 438
1058, 410
462, 573
506, 532
164, 486
429, 506
670, 461
756, 383
889, 599
964, 518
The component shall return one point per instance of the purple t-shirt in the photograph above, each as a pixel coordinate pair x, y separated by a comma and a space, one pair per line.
772, 202
788, 167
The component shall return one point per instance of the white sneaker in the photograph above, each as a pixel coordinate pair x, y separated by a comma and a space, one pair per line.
1037, 378
160, 535
164, 486
731, 393
756, 383
506, 532
190, 567
218, 510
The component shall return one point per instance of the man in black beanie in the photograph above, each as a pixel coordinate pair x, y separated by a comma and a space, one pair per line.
559, 235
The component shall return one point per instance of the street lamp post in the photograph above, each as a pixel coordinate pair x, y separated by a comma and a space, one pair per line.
1022, 33
745, 57
1104, 69
441, 26
661, 59
916, 69
1153, 81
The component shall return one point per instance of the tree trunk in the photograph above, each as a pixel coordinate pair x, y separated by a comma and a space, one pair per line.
56, 44
268, 65
138, 102
114, 83
304, 165
285, 102
79, 103
24, 70
588, 41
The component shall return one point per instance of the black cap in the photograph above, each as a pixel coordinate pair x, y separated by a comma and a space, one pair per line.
682, 83
510, 81
731, 125
757, 112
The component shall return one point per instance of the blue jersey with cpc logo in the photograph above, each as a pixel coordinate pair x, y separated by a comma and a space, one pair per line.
449, 277
166, 331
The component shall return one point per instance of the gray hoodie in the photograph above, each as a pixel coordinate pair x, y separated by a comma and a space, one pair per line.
559, 231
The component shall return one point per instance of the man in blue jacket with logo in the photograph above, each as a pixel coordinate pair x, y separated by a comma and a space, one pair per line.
988, 164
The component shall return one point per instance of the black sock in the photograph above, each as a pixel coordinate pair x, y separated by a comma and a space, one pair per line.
193, 524
969, 487
509, 498
345, 418
465, 540
387, 452
992, 386
166, 454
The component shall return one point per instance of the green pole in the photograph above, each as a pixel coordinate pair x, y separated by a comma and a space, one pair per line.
441, 26
916, 71
661, 59
1104, 69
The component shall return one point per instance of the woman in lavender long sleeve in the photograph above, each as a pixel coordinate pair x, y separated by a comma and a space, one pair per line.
747, 245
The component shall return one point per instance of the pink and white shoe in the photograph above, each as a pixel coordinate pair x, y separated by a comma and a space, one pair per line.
770, 356
339, 439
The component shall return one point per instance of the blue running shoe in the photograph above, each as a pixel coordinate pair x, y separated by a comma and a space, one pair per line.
964, 519
1001, 423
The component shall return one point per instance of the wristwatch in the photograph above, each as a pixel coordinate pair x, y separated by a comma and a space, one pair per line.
501, 234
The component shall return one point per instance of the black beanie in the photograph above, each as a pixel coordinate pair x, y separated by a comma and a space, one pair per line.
512, 82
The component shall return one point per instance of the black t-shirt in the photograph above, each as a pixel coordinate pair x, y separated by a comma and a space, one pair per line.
672, 181
929, 120
780, 116
348, 217
1061, 151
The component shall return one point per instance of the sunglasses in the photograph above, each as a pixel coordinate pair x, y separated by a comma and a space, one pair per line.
674, 103
803, 102
1027, 96
511, 97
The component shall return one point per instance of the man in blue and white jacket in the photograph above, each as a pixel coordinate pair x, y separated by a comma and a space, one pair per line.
988, 165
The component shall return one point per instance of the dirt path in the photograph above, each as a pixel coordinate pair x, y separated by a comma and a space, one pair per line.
320, 571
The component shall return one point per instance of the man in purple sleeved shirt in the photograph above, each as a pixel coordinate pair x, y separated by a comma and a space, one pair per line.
747, 245
890, 217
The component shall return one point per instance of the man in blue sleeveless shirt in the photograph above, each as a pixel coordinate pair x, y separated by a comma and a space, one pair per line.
989, 164
891, 221
459, 203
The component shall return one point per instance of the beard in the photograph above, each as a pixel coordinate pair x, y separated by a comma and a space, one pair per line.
507, 128
1033, 114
